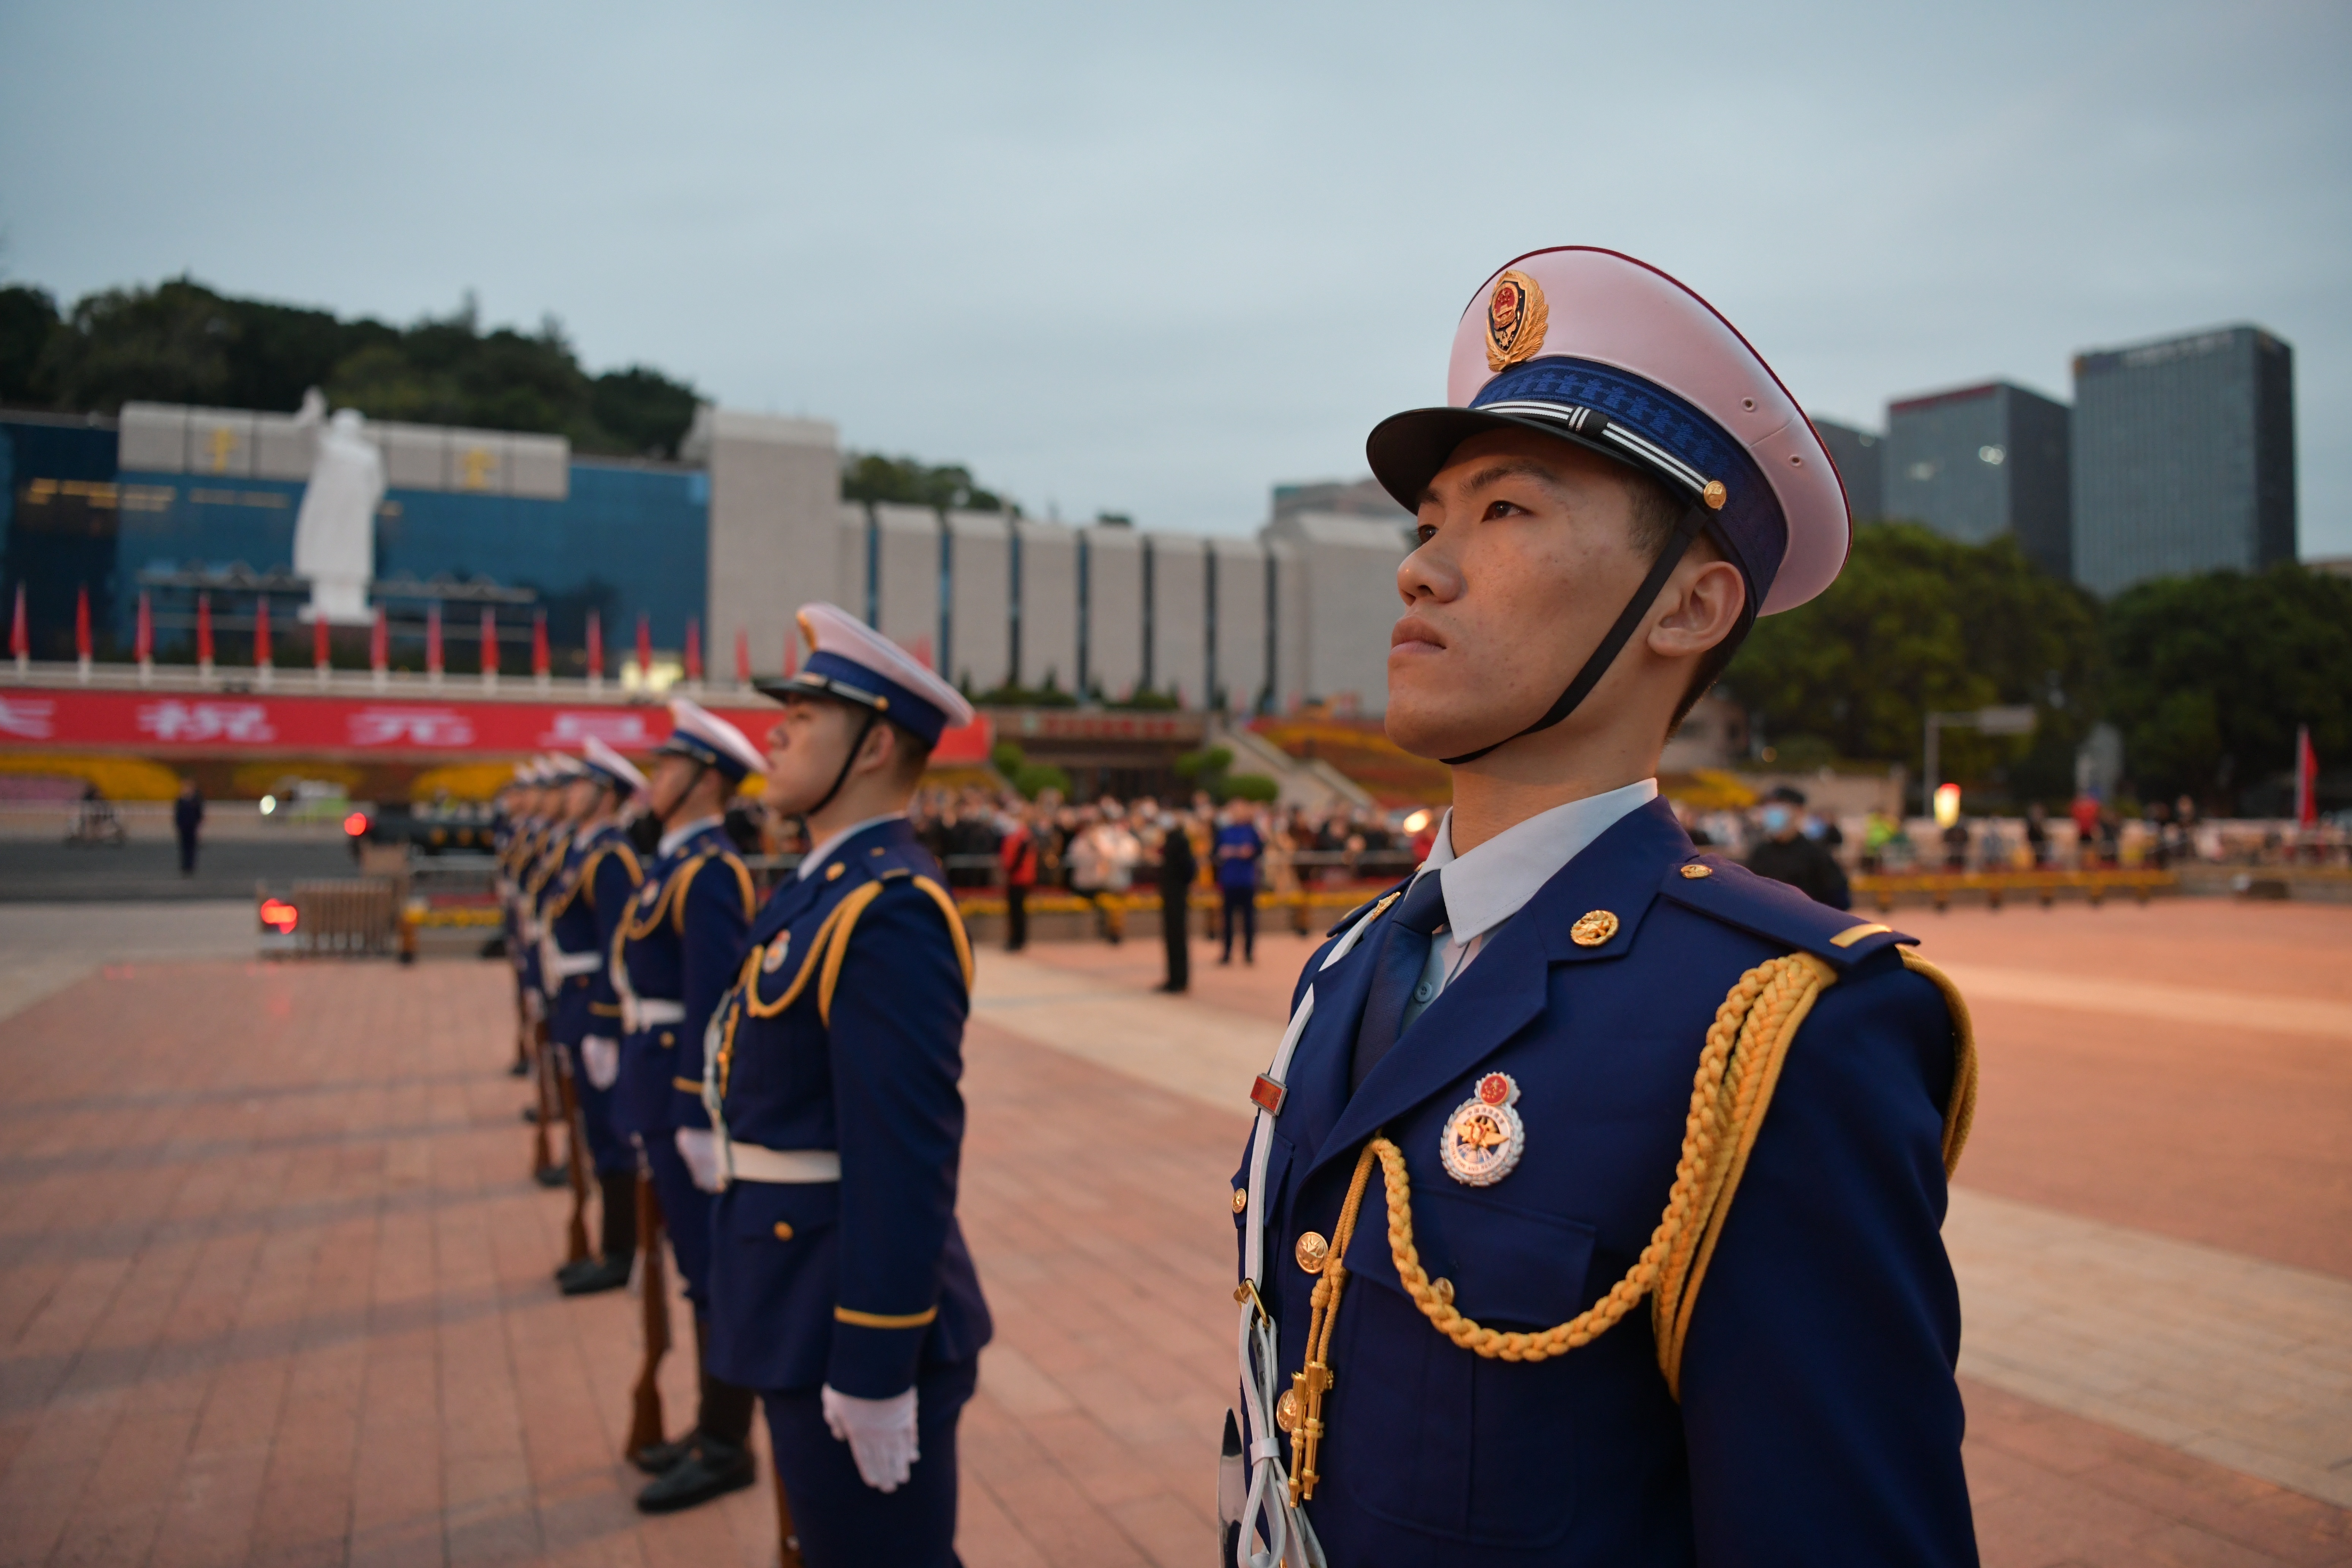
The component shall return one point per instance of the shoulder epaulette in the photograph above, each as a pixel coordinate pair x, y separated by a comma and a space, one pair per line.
843, 921
1731, 893
685, 882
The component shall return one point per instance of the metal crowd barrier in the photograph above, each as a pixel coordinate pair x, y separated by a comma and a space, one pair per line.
348, 915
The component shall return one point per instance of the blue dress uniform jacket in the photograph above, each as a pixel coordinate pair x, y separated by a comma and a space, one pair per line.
682, 943
583, 909
1818, 1421
864, 1283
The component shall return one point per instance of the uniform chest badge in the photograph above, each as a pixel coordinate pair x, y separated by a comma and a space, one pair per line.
776, 952
1485, 1137
652, 892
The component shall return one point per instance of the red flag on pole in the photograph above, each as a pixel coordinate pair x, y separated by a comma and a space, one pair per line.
538, 665
433, 637
261, 659
644, 648
595, 647
693, 648
204, 630
742, 656
2306, 779
143, 645
82, 622
323, 644
380, 643
489, 641
20, 636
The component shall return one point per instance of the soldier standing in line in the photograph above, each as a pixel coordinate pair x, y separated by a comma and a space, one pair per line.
674, 956
841, 1286
538, 859
1498, 1153
583, 910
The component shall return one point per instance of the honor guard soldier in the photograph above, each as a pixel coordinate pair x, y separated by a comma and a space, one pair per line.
675, 956
537, 859
1592, 1209
583, 909
841, 1287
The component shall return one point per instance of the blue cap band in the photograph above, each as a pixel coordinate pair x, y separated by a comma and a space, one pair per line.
828, 674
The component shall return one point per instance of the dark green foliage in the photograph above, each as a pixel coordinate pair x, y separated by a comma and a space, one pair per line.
1919, 623
181, 342
1049, 694
2214, 672
28, 319
1210, 770
1252, 786
1032, 779
868, 476
1144, 700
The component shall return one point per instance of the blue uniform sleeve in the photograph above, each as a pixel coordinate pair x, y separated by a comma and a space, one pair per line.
614, 885
1819, 1403
897, 1036
716, 922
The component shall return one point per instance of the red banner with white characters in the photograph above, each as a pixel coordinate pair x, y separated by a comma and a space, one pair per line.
386, 725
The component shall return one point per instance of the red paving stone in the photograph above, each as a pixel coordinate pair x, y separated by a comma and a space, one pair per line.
273, 1289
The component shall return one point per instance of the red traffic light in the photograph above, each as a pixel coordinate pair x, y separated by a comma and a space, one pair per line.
356, 823
280, 916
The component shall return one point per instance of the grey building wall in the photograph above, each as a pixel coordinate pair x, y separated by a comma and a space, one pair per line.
1981, 461
775, 486
976, 643
1857, 455
1047, 641
1111, 608
2185, 457
1236, 588
1177, 649
853, 575
1344, 604
909, 600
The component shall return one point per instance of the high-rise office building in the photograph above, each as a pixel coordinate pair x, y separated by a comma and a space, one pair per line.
1981, 461
1857, 455
2184, 457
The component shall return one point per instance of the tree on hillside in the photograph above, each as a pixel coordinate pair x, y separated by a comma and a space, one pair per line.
1917, 623
869, 477
2214, 672
183, 343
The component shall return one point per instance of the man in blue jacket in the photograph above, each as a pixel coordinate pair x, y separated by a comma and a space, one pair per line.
841, 1286
1592, 1210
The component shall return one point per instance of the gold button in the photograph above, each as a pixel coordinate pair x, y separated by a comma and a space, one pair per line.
1241, 1199
835, 869
1695, 872
1286, 1412
1313, 1252
783, 1231
1594, 928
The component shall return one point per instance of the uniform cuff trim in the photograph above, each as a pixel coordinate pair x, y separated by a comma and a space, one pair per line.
883, 1319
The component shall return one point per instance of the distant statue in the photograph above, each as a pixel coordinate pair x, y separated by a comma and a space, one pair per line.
335, 533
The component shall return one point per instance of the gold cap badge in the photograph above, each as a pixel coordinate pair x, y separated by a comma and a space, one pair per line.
1516, 320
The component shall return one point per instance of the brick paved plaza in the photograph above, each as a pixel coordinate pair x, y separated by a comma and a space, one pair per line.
273, 1285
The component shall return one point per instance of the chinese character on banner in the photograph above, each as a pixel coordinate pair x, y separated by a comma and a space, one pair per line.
621, 730
27, 718
410, 726
246, 723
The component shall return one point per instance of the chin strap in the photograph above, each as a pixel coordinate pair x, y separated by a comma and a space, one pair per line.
865, 729
1693, 523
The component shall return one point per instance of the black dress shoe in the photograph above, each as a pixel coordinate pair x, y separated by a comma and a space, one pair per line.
577, 1268
712, 1469
607, 1274
661, 1458
553, 1176
520, 1069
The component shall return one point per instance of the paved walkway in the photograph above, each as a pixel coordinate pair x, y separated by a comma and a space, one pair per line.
273, 1287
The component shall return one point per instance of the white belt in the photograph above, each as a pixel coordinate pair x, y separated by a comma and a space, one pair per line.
639, 1014
788, 1167
562, 964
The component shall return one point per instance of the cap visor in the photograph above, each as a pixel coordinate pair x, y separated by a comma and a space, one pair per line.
1408, 450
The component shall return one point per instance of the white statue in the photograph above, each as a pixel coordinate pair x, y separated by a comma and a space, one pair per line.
335, 533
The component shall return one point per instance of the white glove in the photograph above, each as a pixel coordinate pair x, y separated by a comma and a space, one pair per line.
603, 1058
880, 1434
698, 1147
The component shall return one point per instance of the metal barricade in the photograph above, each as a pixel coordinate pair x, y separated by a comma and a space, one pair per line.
347, 915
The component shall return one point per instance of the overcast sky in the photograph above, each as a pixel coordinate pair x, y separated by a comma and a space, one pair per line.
1154, 260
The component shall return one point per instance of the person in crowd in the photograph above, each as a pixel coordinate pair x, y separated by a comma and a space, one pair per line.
1017, 853
2037, 835
1787, 855
1240, 848
1177, 869
187, 819
1956, 847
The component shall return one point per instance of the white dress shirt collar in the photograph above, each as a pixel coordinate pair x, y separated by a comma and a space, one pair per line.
823, 852
1489, 885
678, 835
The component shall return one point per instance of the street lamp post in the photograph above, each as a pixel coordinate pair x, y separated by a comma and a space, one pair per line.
2008, 721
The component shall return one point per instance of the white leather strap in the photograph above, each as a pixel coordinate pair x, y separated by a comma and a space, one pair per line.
785, 1167
558, 962
639, 1014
